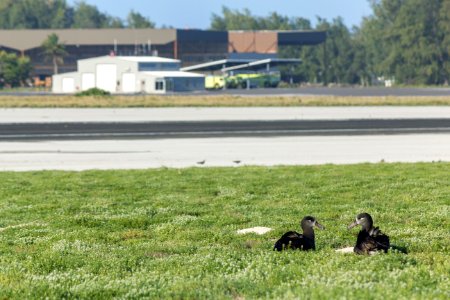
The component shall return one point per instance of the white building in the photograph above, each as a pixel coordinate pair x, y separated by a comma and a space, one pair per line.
129, 74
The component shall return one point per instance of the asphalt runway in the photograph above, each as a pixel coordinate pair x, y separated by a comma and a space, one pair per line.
221, 152
208, 129
122, 138
194, 114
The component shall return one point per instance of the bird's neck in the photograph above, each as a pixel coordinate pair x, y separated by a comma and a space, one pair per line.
367, 228
308, 232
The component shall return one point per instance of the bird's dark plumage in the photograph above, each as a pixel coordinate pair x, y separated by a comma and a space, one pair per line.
295, 240
370, 239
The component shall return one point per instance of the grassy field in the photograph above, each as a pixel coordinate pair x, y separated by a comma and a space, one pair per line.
212, 101
171, 233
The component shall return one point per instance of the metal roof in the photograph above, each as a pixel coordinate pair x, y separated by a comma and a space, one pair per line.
65, 74
147, 59
261, 64
216, 65
171, 74
134, 59
25, 39
290, 37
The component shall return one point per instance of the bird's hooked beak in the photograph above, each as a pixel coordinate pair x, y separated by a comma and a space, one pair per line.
318, 225
353, 224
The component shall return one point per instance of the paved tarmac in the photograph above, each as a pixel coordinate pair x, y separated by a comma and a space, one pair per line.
61, 115
80, 155
181, 153
207, 129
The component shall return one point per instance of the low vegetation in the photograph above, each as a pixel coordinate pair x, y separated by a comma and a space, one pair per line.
97, 100
171, 233
94, 92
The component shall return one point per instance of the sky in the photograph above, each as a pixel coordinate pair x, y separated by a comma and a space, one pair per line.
196, 14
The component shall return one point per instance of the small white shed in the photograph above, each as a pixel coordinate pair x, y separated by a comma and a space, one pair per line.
129, 74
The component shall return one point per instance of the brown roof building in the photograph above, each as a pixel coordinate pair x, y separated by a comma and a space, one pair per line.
190, 46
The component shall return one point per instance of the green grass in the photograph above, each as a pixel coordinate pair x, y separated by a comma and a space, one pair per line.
170, 233
118, 101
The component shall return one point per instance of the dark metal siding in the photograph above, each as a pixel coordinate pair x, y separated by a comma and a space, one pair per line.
199, 46
194, 35
301, 38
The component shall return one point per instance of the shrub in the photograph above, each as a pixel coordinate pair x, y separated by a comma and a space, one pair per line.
93, 92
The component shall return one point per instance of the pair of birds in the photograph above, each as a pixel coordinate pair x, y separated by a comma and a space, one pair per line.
370, 239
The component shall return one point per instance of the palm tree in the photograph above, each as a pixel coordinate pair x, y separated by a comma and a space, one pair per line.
54, 50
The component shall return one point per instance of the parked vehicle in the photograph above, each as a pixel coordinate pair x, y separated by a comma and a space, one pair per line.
242, 80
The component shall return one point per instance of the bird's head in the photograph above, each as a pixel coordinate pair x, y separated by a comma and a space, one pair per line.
309, 222
363, 219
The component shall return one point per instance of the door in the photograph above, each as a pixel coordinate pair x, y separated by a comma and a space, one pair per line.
129, 83
106, 77
87, 81
68, 85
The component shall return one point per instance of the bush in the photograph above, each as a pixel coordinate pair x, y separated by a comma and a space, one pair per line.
14, 70
93, 92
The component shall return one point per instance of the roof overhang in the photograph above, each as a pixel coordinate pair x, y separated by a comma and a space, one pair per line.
25, 39
263, 64
292, 38
216, 65
169, 74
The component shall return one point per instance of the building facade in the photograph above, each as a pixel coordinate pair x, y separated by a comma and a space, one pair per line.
191, 47
128, 75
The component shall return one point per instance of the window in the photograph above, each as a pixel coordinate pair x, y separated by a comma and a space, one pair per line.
159, 85
160, 66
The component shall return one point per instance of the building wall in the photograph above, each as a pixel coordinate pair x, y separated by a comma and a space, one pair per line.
199, 46
147, 84
253, 41
94, 65
121, 76
58, 80
188, 84
41, 66
190, 46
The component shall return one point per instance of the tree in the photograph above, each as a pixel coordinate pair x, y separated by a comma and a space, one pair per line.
13, 70
34, 14
444, 30
114, 22
88, 16
23, 68
53, 50
408, 38
234, 20
136, 20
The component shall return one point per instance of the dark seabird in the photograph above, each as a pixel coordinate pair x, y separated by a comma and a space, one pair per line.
295, 240
370, 239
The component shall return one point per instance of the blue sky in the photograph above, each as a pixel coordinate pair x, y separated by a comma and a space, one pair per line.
186, 14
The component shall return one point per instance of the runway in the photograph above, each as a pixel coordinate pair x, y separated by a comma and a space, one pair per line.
228, 137
208, 129
186, 114
228, 152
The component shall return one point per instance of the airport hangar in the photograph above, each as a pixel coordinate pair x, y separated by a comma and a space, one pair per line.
189, 46
149, 74
129, 75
